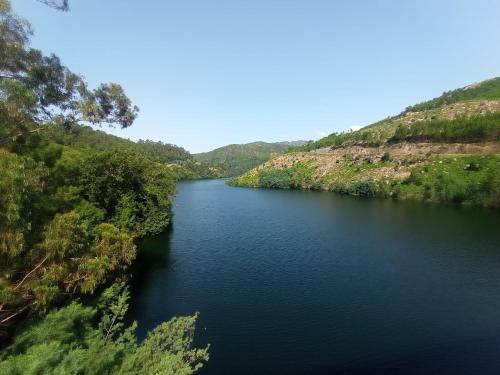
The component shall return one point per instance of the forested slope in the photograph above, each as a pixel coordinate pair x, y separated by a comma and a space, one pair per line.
182, 163
73, 202
234, 160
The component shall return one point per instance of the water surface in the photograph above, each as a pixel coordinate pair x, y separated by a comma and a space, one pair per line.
292, 282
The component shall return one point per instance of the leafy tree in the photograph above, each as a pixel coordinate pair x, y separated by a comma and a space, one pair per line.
21, 182
92, 340
37, 89
72, 203
70, 232
135, 196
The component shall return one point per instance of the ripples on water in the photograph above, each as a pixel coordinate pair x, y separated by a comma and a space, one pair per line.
291, 282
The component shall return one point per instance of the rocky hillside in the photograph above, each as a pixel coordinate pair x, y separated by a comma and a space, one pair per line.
237, 159
446, 149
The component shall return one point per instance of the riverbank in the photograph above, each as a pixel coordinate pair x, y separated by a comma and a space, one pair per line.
470, 179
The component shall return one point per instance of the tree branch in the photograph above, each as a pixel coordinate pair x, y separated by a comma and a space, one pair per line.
3, 321
6, 140
62, 5
29, 273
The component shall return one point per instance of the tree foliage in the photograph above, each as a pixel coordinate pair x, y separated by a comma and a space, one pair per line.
79, 339
234, 160
135, 196
72, 203
68, 216
36, 89
462, 129
57, 4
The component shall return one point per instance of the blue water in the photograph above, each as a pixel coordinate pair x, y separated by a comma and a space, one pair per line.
292, 282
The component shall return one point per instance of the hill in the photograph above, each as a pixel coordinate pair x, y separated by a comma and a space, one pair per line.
237, 159
177, 158
446, 149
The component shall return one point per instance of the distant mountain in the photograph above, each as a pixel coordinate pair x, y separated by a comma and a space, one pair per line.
237, 159
446, 149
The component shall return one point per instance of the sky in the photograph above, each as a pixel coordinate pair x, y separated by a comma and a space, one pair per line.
210, 73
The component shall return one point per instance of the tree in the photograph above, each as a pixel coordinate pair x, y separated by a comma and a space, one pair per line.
36, 90
78, 339
69, 218
59, 5
135, 196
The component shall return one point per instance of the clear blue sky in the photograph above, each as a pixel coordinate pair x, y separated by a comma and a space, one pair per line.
209, 73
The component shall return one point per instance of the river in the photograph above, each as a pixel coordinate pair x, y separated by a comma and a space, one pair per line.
294, 282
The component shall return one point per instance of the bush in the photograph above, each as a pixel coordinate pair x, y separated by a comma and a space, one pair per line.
467, 179
386, 157
276, 179
364, 188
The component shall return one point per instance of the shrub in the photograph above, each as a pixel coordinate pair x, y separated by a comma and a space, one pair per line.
276, 179
364, 188
386, 157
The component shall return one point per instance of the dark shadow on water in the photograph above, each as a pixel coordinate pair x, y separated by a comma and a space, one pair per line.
152, 255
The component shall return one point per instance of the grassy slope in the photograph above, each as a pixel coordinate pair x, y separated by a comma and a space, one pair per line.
444, 150
235, 160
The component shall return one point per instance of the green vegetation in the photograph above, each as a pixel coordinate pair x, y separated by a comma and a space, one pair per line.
178, 159
378, 159
73, 202
461, 115
300, 175
69, 218
364, 188
489, 89
85, 137
473, 180
235, 160
276, 179
462, 129
464, 179
334, 140
79, 339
